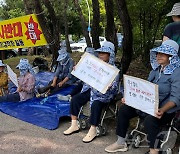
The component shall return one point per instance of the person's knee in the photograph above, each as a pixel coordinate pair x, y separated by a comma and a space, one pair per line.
122, 111
149, 122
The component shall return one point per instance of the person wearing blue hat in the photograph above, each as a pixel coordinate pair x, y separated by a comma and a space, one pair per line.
165, 73
81, 87
26, 84
172, 30
96, 98
63, 76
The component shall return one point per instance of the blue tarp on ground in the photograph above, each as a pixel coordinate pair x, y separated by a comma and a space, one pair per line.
43, 112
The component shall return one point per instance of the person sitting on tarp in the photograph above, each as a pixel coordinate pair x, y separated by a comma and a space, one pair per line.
80, 84
3, 79
63, 77
97, 99
26, 84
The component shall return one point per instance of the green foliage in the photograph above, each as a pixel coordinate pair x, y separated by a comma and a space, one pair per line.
148, 20
12, 9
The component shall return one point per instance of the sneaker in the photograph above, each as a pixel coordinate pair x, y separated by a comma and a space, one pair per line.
116, 148
64, 98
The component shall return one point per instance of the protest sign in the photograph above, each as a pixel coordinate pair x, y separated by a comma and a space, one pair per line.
95, 72
21, 32
12, 76
141, 94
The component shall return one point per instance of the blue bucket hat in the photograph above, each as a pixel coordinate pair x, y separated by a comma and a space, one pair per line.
24, 65
90, 50
108, 47
62, 54
168, 47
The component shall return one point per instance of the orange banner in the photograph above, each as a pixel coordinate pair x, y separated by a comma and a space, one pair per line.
21, 32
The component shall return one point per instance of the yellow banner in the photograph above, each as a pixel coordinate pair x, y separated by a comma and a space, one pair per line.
21, 32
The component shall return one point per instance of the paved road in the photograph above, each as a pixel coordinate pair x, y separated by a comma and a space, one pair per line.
18, 137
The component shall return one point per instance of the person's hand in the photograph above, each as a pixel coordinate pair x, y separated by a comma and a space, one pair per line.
123, 101
74, 68
159, 113
53, 84
60, 84
19, 89
110, 86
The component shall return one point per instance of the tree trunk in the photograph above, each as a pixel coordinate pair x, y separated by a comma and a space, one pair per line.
66, 26
95, 25
28, 6
56, 31
127, 32
110, 31
83, 23
42, 21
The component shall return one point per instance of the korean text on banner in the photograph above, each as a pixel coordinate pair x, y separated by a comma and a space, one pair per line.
95, 72
21, 32
12, 76
141, 94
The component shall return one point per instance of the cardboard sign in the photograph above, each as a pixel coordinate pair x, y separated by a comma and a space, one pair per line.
141, 94
95, 72
21, 32
12, 76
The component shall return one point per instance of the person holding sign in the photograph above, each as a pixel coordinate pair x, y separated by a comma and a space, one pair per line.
166, 70
26, 83
80, 84
62, 76
3, 79
97, 99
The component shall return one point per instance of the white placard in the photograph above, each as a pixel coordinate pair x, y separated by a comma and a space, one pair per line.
12, 76
95, 72
141, 94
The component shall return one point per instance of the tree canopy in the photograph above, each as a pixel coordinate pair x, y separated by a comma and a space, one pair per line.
141, 23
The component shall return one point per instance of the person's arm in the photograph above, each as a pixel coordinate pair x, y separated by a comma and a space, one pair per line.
71, 67
167, 32
165, 38
164, 109
60, 84
54, 81
174, 99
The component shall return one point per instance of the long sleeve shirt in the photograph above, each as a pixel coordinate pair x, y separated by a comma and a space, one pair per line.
169, 87
3, 82
27, 84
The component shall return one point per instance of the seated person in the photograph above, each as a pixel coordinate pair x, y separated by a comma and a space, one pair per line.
63, 77
166, 69
77, 89
3, 79
26, 84
97, 99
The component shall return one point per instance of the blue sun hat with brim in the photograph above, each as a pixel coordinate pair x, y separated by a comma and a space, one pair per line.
108, 47
170, 48
62, 54
90, 50
25, 65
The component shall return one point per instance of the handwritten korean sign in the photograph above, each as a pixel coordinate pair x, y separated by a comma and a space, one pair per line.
141, 94
21, 32
95, 72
